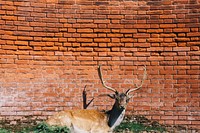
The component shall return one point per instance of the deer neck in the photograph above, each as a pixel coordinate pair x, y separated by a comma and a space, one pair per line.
115, 116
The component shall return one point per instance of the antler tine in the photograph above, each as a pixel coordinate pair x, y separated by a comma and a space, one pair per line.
103, 82
142, 82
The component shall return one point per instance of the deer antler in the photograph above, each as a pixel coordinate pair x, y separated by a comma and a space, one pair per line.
102, 81
85, 104
139, 86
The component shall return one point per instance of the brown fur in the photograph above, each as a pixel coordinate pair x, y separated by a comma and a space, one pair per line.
91, 121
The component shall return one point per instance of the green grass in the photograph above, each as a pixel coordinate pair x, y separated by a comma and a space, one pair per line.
40, 128
137, 127
44, 128
4, 130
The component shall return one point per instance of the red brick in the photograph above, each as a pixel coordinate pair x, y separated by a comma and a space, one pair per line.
129, 40
145, 26
85, 30
142, 45
50, 48
24, 38
115, 16
24, 47
84, 40
156, 49
102, 58
21, 43
84, 49
101, 40
167, 25
102, 21
9, 47
85, 58
9, 7
25, 57
182, 39
85, 20
115, 26
193, 34
89, 35
182, 122
12, 18
141, 35
169, 117
181, 30
167, 16
181, 49
155, 40
128, 31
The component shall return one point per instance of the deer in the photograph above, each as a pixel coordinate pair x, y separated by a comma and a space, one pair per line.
94, 121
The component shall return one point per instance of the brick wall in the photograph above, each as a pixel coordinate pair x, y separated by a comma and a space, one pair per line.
50, 49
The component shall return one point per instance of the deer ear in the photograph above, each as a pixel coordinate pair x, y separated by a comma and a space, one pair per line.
113, 96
